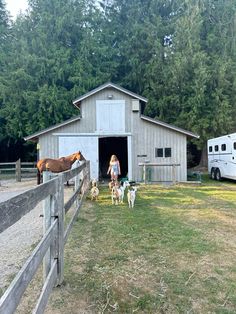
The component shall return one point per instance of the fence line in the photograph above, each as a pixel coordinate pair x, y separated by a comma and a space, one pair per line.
19, 168
149, 164
50, 249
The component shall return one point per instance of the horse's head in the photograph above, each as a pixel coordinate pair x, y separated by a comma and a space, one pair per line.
79, 156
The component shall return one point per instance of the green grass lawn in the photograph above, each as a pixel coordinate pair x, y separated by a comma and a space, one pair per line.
175, 252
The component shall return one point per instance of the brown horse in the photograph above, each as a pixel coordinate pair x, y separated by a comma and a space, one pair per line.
57, 165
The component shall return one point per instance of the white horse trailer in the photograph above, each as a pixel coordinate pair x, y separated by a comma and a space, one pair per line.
222, 157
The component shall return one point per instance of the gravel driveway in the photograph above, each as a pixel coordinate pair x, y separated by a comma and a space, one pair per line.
16, 242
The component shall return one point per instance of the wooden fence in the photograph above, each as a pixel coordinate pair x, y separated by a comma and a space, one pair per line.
50, 249
146, 165
19, 169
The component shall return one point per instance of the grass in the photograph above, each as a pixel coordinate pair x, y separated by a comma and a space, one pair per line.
174, 252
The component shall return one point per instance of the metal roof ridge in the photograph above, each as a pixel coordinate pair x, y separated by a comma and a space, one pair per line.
105, 85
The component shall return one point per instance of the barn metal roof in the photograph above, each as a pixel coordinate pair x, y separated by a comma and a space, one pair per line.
169, 126
77, 101
35, 136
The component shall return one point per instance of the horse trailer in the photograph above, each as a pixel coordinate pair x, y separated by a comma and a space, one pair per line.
222, 157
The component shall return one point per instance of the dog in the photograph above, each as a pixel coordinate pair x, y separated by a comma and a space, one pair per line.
94, 190
111, 184
131, 195
94, 193
121, 190
115, 194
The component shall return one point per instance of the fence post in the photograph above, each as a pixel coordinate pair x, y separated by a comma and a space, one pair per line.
173, 174
18, 170
144, 173
47, 204
77, 182
60, 237
87, 174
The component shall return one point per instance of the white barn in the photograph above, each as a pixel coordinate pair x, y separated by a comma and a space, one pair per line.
111, 121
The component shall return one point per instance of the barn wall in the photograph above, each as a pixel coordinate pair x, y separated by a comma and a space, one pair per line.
88, 109
147, 136
49, 141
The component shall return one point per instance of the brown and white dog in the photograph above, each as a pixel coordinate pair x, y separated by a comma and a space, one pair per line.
111, 184
94, 190
115, 194
131, 195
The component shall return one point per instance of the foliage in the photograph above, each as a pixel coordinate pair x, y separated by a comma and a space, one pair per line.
179, 54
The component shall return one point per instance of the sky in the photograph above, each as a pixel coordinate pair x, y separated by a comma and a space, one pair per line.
14, 6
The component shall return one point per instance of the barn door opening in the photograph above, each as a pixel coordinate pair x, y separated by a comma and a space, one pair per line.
112, 146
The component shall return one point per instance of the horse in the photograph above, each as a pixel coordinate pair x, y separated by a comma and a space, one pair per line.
57, 165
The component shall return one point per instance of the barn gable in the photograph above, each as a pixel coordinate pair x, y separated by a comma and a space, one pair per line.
111, 122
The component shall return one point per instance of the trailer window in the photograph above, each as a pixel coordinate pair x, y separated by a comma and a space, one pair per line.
234, 145
223, 147
216, 148
210, 149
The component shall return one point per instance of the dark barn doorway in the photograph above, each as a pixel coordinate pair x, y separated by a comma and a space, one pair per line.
112, 146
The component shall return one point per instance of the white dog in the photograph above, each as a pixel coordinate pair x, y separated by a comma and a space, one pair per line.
121, 190
131, 195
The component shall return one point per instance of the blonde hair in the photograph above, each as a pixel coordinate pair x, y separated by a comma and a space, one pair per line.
113, 158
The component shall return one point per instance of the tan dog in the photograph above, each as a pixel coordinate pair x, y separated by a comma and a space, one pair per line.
111, 184
115, 195
94, 190
94, 193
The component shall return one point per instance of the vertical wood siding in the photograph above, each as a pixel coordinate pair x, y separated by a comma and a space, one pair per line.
146, 136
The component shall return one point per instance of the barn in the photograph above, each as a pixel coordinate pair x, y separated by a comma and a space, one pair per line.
111, 121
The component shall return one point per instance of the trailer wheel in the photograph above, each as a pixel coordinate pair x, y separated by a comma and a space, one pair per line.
218, 174
213, 175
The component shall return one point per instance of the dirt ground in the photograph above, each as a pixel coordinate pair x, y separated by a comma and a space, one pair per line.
16, 241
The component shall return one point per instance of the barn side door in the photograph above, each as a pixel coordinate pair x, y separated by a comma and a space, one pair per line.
88, 145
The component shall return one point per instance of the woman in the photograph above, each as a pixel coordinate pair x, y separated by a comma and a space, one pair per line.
114, 168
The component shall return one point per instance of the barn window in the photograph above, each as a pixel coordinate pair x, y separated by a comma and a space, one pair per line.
234, 145
223, 147
216, 148
163, 152
167, 152
159, 152
210, 149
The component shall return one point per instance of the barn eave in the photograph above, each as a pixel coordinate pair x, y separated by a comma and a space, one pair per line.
169, 126
78, 100
34, 137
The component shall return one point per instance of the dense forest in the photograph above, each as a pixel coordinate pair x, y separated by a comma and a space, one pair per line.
180, 54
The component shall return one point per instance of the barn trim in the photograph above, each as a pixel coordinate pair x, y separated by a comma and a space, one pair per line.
169, 126
51, 128
78, 100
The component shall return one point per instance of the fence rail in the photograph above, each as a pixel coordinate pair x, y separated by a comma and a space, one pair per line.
149, 164
19, 169
50, 249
